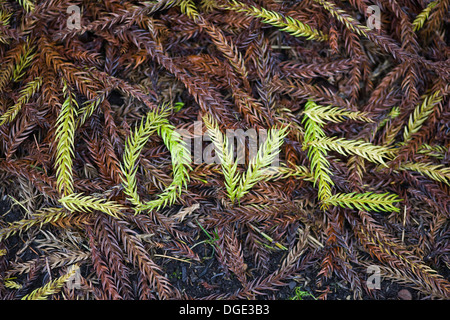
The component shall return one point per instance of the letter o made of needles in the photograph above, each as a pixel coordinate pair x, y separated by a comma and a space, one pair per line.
151, 123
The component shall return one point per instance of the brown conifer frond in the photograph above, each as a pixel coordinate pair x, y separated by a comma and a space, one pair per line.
231, 252
111, 250
315, 70
101, 268
137, 254
79, 79
227, 48
397, 257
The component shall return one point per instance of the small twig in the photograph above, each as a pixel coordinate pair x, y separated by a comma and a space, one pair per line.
169, 257
404, 223
48, 269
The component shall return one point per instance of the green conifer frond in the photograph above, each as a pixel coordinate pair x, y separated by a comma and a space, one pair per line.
367, 201
10, 61
133, 147
180, 167
285, 23
65, 134
188, 7
28, 5
360, 148
82, 203
41, 217
155, 122
208, 5
344, 18
225, 153
88, 109
394, 113
237, 184
265, 156
420, 19
432, 151
5, 17
421, 114
320, 167
52, 287
313, 129
318, 144
25, 60
12, 285
283, 172
321, 114
25, 94
435, 172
